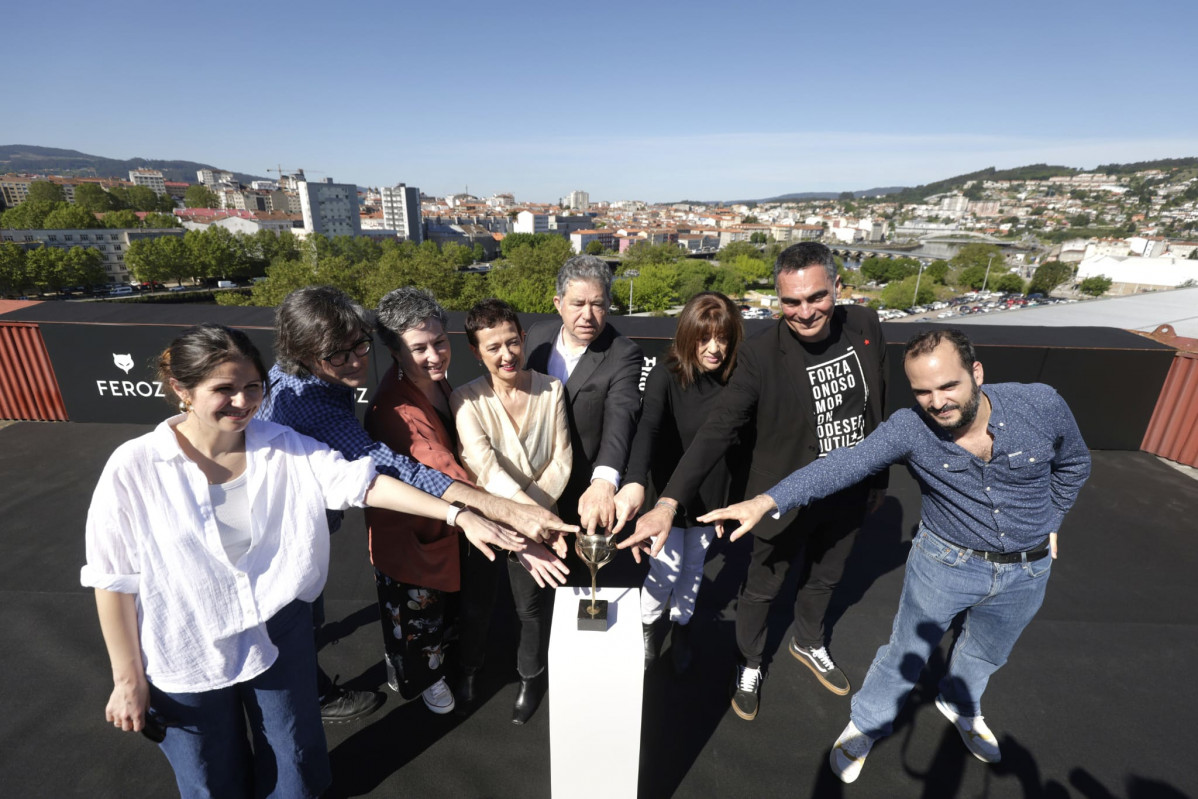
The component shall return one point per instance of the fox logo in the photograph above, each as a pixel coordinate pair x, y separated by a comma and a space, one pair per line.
123, 361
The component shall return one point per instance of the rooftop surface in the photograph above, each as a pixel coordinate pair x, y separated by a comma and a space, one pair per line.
1096, 701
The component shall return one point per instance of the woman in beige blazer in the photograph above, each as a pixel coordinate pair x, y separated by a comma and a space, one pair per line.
514, 440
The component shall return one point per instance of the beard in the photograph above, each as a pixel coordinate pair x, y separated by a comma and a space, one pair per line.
969, 411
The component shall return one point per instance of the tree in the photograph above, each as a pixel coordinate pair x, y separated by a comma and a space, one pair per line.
480, 253
691, 277
749, 270
846, 196
92, 197
937, 272
45, 191
734, 249
83, 266
122, 220
513, 240
652, 290
160, 259
13, 275
47, 269
527, 276
758, 237
1095, 286
159, 221
750, 220
29, 215
972, 277
214, 252
642, 254
1007, 283
1048, 276
200, 196
1079, 220
901, 293
70, 217
593, 248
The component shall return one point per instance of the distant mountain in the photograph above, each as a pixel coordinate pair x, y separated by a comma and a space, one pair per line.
68, 163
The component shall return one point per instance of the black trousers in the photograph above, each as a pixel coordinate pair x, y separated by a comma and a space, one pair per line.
480, 580
823, 535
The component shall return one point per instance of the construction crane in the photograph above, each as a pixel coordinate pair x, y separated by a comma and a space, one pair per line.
280, 173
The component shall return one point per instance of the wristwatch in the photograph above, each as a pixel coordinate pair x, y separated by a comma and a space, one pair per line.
451, 515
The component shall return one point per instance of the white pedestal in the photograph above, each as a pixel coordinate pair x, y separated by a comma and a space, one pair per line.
595, 683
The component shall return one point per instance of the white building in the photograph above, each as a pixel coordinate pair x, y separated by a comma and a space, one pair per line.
401, 211
529, 222
112, 243
211, 177
151, 178
330, 208
1131, 275
578, 201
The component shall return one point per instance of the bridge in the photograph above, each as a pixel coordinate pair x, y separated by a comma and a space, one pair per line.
927, 249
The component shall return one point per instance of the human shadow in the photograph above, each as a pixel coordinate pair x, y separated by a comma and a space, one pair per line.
680, 713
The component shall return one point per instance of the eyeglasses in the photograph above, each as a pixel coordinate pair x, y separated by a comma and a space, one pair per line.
339, 358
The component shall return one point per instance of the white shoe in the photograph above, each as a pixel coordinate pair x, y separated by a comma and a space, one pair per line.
848, 753
974, 732
438, 697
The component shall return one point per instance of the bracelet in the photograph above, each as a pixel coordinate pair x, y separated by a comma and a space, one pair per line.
663, 504
451, 515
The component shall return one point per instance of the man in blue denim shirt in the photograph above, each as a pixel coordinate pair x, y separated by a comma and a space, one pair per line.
998, 468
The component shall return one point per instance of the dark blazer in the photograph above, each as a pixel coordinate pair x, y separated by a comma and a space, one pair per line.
768, 401
603, 401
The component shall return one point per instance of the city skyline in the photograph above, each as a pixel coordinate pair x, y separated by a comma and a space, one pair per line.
633, 103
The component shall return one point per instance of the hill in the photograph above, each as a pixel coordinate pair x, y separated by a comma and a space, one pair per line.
54, 161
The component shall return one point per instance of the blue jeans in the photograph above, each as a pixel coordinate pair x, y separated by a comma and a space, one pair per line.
206, 741
999, 600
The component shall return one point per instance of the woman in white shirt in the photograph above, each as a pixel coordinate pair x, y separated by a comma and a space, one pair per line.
515, 443
206, 540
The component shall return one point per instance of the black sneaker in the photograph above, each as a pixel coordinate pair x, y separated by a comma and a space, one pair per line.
340, 705
821, 665
746, 691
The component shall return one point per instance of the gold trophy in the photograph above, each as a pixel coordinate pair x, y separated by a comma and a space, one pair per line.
596, 551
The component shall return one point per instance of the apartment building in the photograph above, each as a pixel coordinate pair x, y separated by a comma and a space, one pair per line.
150, 178
401, 211
330, 208
111, 243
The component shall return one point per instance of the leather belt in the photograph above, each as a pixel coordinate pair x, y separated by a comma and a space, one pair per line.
1013, 557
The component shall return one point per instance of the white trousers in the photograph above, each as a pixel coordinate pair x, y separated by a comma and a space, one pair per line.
676, 574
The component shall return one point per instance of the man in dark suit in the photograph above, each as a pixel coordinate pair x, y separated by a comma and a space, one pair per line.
802, 388
601, 371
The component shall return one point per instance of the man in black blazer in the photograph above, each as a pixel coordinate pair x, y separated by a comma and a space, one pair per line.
812, 383
601, 370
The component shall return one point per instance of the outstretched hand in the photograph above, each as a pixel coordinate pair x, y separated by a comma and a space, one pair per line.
652, 529
532, 521
747, 513
548, 571
481, 531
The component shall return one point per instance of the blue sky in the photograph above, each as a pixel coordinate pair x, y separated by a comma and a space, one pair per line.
625, 100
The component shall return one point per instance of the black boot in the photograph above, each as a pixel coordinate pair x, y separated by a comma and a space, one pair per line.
680, 647
528, 699
465, 693
655, 636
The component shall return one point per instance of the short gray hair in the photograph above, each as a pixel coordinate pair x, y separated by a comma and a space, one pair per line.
584, 267
403, 309
805, 254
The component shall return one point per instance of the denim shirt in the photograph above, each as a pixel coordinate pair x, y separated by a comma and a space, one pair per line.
325, 411
1009, 504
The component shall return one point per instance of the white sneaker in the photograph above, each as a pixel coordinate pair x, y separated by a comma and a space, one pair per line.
438, 697
848, 753
974, 732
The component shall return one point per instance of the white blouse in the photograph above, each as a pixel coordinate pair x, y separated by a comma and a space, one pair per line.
503, 459
151, 531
